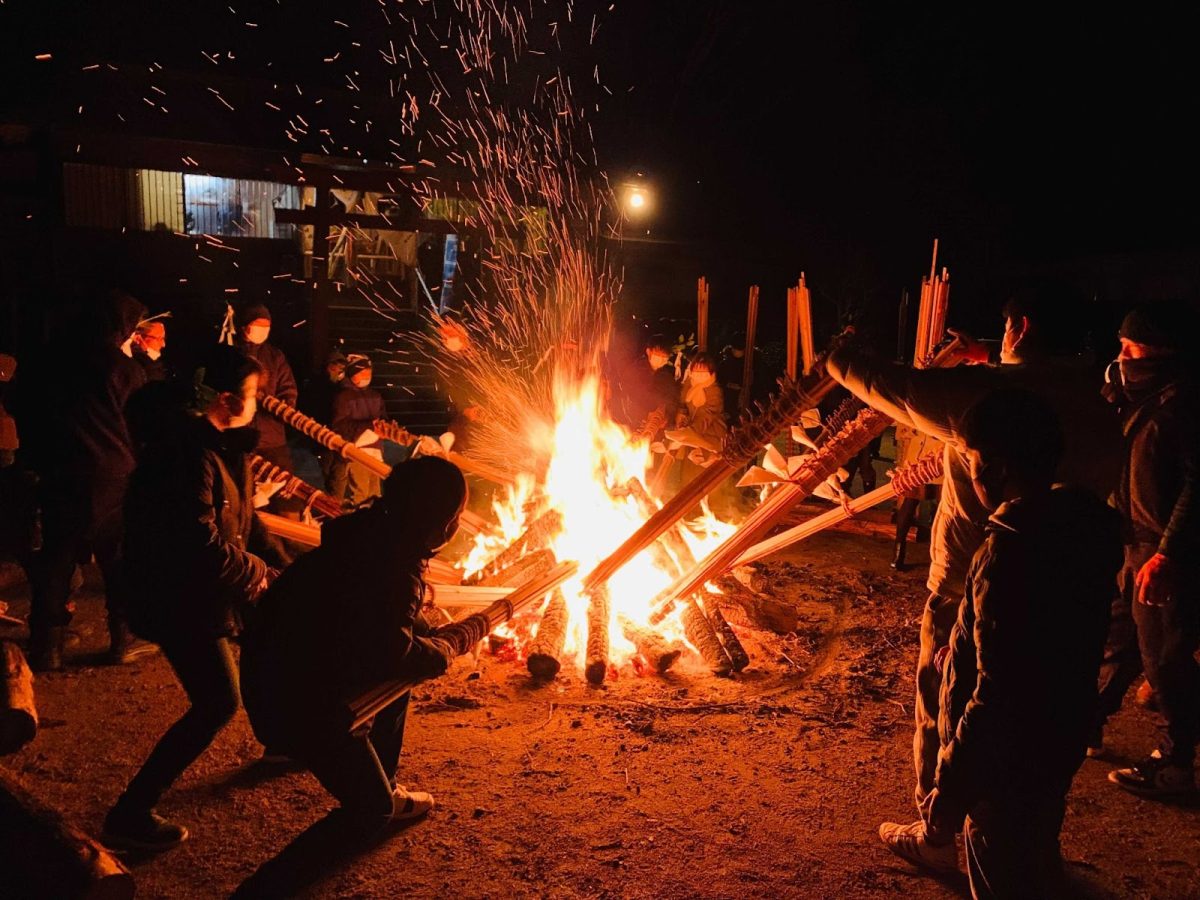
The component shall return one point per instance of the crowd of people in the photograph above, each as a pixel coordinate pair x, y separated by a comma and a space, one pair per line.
1062, 559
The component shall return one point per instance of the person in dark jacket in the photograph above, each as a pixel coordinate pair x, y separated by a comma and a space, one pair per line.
355, 408
649, 394
1019, 686
344, 619
1158, 497
72, 409
189, 521
316, 399
254, 327
932, 401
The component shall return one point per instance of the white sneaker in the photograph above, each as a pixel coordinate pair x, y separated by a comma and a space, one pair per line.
909, 842
410, 804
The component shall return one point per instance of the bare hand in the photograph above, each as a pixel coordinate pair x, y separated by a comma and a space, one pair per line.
970, 351
1156, 581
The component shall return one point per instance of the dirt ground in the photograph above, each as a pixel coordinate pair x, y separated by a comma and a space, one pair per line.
769, 785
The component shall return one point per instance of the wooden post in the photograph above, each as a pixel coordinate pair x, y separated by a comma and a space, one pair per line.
597, 635
748, 360
702, 313
793, 333
804, 322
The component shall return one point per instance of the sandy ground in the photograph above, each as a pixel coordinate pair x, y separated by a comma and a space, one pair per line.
770, 785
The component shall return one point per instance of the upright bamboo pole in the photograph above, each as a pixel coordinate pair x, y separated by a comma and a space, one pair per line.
793, 333
808, 355
748, 358
702, 313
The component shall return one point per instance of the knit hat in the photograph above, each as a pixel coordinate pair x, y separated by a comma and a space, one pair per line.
357, 362
252, 311
1169, 325
335, 356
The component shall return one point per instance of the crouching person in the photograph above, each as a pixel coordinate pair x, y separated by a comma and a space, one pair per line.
343, 619
189, 516
1019, 683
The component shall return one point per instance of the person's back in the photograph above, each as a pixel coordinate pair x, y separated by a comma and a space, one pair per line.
1045, 568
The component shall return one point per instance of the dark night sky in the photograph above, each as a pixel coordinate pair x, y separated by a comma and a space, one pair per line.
789, 133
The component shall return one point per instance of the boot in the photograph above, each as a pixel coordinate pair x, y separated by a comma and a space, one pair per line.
46, 650
123, 647
898, 562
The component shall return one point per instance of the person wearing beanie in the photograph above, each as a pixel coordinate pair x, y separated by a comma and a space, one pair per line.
356, 406
356, 602
253, 323
1158, 496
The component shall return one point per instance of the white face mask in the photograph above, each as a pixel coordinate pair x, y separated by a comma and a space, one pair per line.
256, 334
702, 379
153, 353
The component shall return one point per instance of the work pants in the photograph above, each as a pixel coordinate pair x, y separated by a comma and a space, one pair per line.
209, 674
938, 618
1012, 847
1168, 637
1122, 661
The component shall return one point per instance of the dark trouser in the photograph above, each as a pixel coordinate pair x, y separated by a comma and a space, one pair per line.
359, 768
1169, 636
937, 620
353, 482
69, 531
1012, 847
208, 672
1122, 661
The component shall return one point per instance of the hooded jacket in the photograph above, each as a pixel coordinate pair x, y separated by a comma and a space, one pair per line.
341, 619
1158, 494
1019, 689
934, 400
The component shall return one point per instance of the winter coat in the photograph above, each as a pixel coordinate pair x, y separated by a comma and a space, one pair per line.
72, 412
645, 390
342, 619
707, 419
189, 520
355, 409
277, 380
1158, 495
934, 400
1019, 690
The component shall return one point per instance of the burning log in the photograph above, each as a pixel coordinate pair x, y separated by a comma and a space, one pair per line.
653, 648
18, 711
700, 634
545, 650
741, 444
737, 654
522, 571
537, 536
266, 471
42, 855
597, 635
462, 636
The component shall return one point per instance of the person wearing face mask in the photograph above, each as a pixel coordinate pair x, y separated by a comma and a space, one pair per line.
1158, 496
356, 406
189, 527
71, 405
1022, 659
372, 563
149, 341
253, 328
931, 401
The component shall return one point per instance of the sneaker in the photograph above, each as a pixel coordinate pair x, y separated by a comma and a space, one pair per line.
130, 650
909, 842
410, 804
141, 830
1155, 777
